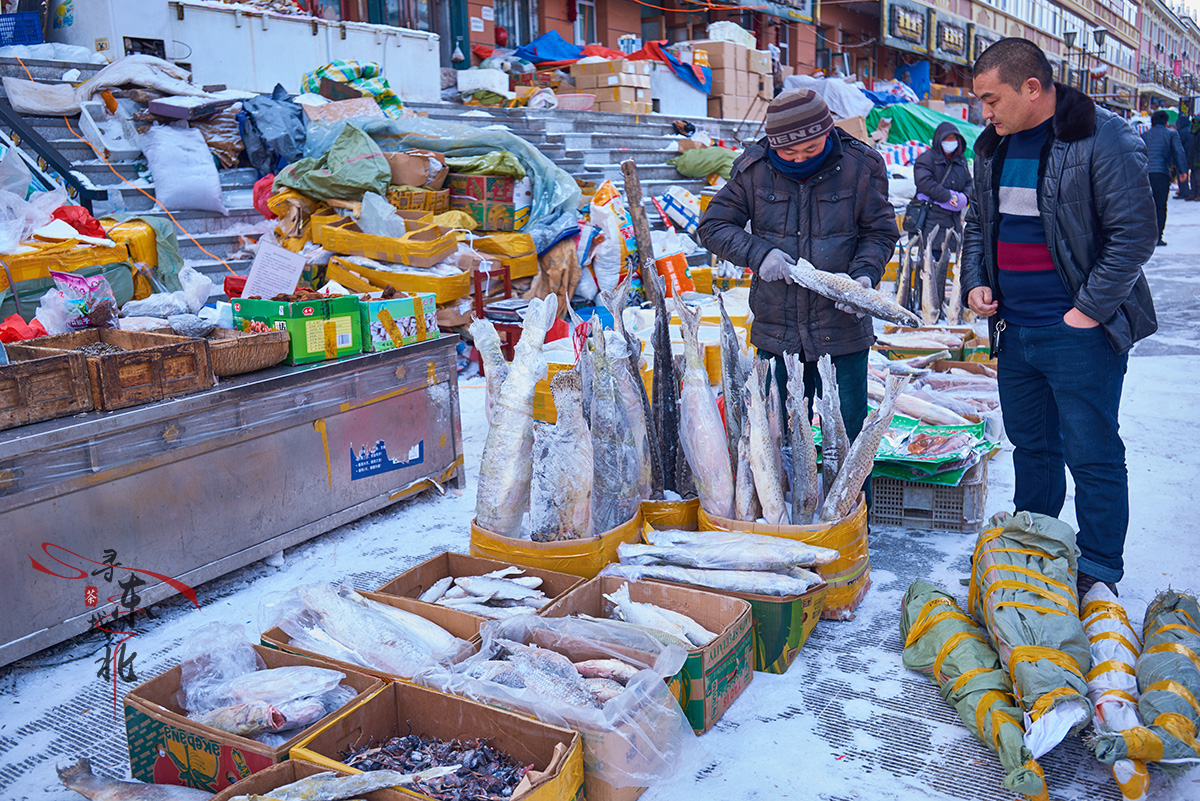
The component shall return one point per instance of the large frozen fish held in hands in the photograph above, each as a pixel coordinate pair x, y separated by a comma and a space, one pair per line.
507, 464
700, 429
841, 288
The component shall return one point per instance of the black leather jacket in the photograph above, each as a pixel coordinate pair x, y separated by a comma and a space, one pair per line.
1095, 202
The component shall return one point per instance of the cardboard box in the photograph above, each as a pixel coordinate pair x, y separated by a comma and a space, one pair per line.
357, 278
167, 747
482, 187
625, 107
419, 247
416, 580
421, 168
714, 675
555, 753
856, 127
722, 53
613, 66
344, 110
620, 94
318, 329
277, 638
759, 61
293, 770
590, 83
491, 215
393, 323
956, 354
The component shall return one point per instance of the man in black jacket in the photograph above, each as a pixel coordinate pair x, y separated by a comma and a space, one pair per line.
1183, 124
1164, 158
1054, 246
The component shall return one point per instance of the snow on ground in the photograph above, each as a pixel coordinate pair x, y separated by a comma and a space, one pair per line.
847, 721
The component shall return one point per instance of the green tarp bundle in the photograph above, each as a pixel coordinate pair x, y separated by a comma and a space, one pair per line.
352, 166
914, 122
498, 162
943, 643
704, 161
1168, 677
1023, 592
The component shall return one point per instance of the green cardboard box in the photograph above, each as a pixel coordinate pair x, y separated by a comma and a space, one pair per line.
713, 676
402, 324
319, 329
482, 187
492, 215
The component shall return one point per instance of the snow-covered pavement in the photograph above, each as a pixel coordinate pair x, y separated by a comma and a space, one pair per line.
847, 721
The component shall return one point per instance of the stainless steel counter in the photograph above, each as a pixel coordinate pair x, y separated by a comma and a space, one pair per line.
195, 487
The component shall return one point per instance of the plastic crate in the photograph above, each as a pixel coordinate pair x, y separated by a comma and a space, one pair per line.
912, 504
24, 28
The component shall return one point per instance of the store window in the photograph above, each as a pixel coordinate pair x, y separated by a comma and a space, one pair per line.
585, 22
409, 14
514, 17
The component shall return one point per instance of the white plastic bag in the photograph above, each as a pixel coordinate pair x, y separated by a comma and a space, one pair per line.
14, 173
196, 288
379, 218
185, 176
52, 312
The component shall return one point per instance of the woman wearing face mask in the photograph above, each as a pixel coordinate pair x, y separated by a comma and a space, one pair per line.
943, 178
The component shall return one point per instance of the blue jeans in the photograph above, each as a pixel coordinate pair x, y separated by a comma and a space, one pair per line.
1060, 390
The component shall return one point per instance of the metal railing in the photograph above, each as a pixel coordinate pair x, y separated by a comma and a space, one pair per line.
55, 167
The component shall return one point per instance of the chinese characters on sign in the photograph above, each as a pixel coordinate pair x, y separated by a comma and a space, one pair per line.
952, 39
117, 662
908, 24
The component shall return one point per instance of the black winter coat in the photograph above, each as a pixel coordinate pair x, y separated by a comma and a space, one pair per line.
839, 219
1185, 139
1095, 202
1164, 151
936, 175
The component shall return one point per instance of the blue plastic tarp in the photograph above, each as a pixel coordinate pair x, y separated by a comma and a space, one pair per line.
549, 47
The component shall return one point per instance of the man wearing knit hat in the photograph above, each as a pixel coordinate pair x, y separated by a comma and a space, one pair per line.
808, 190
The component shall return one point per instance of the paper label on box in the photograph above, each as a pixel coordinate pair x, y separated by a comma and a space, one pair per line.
389, 325
275, 271
376, 460
314, 334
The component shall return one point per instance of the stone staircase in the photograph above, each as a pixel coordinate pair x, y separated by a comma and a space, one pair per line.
588, 145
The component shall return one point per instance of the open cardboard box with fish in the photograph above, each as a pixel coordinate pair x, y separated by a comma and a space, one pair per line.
630, 740
168, 747
293, 770
457, 624
555, 753
584, 557
847, 580
714, 674
417, 580
899, 350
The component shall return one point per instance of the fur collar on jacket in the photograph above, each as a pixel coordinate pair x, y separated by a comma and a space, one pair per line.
1074, 119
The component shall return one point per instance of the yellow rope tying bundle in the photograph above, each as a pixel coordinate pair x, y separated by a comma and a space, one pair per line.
1174, 626
1175, 648
962, 680
998, 717
1112, 635
949, 645
926, 621
1169, 686
1044, 795
1180, 728
1109, 666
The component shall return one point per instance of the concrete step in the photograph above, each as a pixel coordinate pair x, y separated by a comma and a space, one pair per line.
646, 172
217, 271
219, 244
46, 71
100, 175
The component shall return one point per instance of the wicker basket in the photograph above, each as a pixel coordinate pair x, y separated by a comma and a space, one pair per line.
576, 102
237, 352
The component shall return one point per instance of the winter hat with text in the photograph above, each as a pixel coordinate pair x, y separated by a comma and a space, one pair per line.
795, 116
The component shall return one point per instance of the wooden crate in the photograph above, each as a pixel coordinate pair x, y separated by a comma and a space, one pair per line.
154, 366
43, 388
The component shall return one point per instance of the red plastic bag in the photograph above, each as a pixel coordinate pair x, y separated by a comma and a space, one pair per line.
263, 189
81, 220
15, 329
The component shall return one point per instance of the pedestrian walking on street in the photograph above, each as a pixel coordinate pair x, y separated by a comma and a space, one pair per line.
943, 180
811, 191
1053, 254
1193, 158
1183, 125
1165, 157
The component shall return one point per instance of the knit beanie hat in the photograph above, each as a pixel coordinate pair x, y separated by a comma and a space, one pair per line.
795, 116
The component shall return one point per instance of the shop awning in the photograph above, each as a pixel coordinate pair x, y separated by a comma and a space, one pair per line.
1154, 90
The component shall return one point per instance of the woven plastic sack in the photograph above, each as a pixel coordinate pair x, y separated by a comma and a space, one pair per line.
352, 166
185, 177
